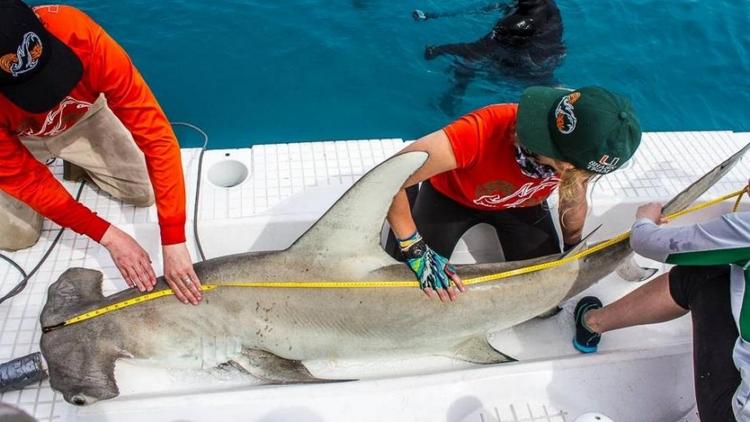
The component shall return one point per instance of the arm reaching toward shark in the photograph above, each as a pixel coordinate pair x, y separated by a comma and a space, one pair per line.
724, 240
431, 269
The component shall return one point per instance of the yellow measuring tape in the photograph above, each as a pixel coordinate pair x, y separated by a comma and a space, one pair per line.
376, 284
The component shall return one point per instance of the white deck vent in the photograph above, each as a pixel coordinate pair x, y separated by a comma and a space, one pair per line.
227, 174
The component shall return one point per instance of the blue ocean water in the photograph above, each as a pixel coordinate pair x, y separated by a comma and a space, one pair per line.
251, 71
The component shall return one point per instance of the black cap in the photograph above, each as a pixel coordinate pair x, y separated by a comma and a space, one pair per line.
37, 70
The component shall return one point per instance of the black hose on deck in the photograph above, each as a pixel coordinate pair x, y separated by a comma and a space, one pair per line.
20, 372
198, 244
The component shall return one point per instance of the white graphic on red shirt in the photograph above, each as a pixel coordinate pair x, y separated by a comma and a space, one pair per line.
515, 199
53, 8
55, 122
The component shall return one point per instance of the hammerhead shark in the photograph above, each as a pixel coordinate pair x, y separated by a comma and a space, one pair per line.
269, 332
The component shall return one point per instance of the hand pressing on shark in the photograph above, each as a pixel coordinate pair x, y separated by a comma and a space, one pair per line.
130, 258
135, 266
433, 271
180, 275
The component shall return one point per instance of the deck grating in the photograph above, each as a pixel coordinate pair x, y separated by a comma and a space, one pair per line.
664, 165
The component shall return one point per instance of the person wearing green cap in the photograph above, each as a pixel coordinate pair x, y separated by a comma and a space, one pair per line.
497, 165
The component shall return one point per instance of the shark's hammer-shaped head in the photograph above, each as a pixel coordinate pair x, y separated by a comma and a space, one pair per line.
85, 376
81, 357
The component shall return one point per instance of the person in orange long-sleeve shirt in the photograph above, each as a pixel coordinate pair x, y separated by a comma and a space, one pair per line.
68, 90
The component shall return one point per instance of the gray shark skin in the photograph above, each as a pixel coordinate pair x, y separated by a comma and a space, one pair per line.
268, 332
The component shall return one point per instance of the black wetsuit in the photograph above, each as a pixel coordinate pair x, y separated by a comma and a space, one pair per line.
528, 37
525, 45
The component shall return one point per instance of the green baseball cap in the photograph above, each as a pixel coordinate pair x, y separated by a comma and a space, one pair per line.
590, 127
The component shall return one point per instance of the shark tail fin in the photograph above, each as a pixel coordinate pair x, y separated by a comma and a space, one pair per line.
74, 290
683, 199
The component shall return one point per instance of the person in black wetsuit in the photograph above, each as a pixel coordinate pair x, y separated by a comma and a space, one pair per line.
530, 33
526, 43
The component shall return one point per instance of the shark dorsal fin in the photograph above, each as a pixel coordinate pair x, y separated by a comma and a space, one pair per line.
351, 227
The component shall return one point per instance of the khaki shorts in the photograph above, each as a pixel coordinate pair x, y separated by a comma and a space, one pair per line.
104, 148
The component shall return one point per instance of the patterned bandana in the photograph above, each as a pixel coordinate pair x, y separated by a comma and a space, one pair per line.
530, 167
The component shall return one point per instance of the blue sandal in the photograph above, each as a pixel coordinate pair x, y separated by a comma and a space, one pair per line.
586, 341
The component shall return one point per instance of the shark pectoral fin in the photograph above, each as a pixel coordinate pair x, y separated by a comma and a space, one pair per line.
478, 350
274, 369
629, 270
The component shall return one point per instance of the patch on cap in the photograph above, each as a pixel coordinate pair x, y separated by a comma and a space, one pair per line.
565, 117
606, 164
26, 57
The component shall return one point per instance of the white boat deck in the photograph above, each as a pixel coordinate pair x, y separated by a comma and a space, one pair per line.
639, 371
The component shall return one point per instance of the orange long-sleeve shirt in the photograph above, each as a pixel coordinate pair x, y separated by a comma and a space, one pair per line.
106, 70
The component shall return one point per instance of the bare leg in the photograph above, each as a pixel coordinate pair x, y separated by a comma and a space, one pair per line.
649, 304
705, 292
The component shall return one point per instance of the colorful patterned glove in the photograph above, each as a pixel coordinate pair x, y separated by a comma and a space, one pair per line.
431, 268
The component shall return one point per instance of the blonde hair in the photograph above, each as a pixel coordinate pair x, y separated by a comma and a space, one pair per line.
572, 181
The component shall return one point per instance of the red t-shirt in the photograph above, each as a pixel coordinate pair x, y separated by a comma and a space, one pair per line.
487, 176
106, 69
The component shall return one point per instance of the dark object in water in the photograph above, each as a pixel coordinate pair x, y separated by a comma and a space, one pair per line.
421, 15
525, 44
